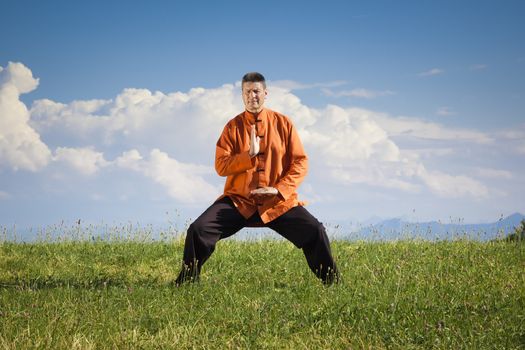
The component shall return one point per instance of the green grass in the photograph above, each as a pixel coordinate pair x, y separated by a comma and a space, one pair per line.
261, 295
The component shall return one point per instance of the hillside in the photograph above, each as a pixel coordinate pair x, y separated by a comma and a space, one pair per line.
261, 295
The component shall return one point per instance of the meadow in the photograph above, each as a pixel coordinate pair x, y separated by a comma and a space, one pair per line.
82, 292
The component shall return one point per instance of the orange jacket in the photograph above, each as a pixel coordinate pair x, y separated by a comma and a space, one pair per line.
281, 163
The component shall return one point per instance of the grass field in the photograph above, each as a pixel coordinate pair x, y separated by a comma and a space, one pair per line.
261, 295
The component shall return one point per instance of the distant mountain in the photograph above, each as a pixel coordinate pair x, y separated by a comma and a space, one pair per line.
433, 230
373, 229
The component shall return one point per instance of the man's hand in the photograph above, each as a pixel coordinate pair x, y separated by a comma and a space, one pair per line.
263, 193
254, 143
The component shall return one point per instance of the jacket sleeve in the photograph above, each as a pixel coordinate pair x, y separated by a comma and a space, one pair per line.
227, 162
298, 168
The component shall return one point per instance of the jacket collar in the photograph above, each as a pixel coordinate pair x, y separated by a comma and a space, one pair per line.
251, 118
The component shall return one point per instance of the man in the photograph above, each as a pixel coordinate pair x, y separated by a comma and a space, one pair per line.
262, 157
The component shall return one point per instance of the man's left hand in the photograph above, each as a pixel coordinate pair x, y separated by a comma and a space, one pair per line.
263, 193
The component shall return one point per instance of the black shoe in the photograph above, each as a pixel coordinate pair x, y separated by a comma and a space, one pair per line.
332, 277
188, 274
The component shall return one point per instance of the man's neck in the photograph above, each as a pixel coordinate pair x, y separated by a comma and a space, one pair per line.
252, 117
255, 113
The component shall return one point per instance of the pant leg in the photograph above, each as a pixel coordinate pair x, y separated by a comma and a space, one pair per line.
306, 232
219, 221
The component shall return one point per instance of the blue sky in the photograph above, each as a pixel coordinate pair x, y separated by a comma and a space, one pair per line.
110, 109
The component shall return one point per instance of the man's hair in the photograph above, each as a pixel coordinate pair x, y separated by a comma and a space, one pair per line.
254, 77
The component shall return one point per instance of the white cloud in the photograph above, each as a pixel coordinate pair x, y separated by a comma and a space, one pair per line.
18, 77
77, 117
513, 139
310, 195
356, 148
130, 160
513, 134
183, 181
414, 127
431, 72
353, 145
181, 123
411, 176
494, 173
284, 101
452, 186
20, 144
360, 159
422, 153
445, 111
383, 175
85, 160
347, 135
359, 92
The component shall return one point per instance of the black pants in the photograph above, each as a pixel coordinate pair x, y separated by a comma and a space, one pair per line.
222, 220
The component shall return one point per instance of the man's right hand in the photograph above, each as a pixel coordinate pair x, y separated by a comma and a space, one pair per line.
254, 142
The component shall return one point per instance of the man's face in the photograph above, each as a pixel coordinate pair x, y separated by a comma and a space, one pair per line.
253, 96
